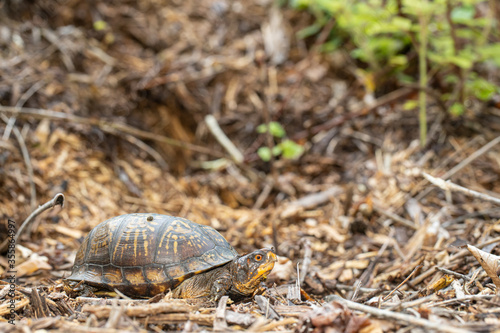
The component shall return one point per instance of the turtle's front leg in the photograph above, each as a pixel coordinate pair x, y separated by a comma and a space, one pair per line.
220, 287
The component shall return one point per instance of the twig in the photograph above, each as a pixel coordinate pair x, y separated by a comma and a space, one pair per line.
103, 311
449, 186
98, 301
153, 153
307, 259
27, 161
293, 293
268, 186
220, 324
486, 212
458, 255
106, 126
463, 253
466, 298
115, 316
357, 285
222, 138
401, 317
450, 272
395, 218
463, 164
4, 309
367, 274
20, 103
57, 200
266, 308
272, 325
411, 304
402, 283
361, 111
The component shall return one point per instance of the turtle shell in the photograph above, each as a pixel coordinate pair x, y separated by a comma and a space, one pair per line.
146, 254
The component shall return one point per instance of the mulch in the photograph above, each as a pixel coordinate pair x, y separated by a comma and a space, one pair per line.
106, 102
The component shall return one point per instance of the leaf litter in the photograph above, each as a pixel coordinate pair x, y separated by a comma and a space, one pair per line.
111, 103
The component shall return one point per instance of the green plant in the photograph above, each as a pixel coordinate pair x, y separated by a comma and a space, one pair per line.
287, 148
453, 40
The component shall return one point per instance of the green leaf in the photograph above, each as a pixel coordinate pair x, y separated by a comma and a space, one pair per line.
398, 60
291, 150
100, 25
276, 129
491, 52
309, 31
461, 62
300, 4
457, 109
410, 105
482, 88
262, 128
460, 14
401, 23
277, 150
264, 153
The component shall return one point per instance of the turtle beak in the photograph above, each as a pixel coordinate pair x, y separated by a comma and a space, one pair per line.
271, 256
268, 266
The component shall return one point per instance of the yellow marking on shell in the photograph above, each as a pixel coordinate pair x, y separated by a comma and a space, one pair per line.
136, 234
175, 247
114, 252
145, 243
168, 241
182, 278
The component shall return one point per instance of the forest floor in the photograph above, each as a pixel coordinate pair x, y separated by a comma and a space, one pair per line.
107, 103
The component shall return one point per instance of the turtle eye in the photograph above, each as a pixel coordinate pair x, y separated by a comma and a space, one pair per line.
258, 257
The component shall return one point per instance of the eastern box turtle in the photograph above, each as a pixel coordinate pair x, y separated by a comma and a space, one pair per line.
143, 255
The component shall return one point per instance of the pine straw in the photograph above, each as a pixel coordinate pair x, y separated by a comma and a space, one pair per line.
355, 208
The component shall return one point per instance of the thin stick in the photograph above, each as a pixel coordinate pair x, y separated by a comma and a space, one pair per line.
450, 272
449, 186
395, 218
463, 164
222, 138
461, 299
153, 153
105, 126
57, 200
402, 283
401, 317
220, 324
465, 252
27, 161
357, 112
472, 157
10, 124
307, 259
458, 255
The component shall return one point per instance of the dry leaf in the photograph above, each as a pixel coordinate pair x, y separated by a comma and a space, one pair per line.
488, 261
459, 289
282, 270
32, 265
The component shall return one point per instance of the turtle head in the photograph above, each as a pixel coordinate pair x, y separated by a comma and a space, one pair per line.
251, 269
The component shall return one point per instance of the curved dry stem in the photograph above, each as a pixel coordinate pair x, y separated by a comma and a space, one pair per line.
57, 200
